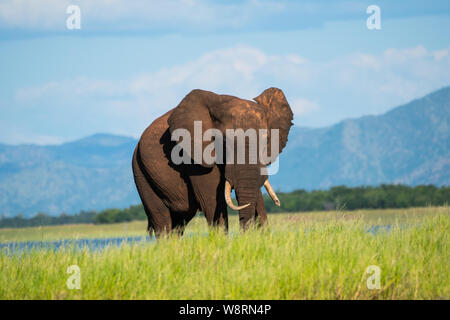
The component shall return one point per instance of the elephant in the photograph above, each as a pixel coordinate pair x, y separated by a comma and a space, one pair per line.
172, 193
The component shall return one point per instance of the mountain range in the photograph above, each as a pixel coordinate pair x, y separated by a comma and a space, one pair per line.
409, 144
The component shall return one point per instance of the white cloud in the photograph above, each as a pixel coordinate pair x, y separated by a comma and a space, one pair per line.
24, 138
375, 83
127, 107
301, 106
239, 70
29, 14
80, 86
393, 77
400, 56
440, 54
129, 15
233, 69
366, 61
296, 59
202, 16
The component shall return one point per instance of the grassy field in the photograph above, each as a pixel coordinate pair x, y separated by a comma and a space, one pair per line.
320, 255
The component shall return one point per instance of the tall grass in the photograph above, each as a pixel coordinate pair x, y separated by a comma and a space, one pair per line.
297, 257
137, 228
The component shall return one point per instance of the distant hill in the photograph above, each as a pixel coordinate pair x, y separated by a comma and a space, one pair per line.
91, 173
409, 144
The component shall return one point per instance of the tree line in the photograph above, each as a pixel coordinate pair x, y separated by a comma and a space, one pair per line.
336, 198
114, 215
353, 198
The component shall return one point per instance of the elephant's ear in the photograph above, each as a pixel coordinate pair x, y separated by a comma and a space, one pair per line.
195, 106
279, 113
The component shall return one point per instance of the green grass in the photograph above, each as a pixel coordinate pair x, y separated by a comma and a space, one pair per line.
300, 256
75, 231
138, 228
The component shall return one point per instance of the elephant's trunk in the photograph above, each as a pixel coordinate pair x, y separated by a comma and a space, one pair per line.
247, 182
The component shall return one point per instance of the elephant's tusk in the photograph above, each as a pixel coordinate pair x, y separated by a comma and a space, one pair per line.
271, 193
228, 198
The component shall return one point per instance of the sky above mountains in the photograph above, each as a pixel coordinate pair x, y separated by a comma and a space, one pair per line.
131, 61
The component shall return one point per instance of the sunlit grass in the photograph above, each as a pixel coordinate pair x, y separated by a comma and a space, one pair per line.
198, 224
300, 256
75, 231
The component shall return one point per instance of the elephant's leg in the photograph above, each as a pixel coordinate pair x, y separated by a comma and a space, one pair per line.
180, 220
261, 213
209, 191
222, 208
223, 216
158, 214
178, 224
220, 215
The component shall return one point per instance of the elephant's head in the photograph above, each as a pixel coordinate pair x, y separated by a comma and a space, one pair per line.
270, 116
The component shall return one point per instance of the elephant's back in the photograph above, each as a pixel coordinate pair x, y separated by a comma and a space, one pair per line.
154, 150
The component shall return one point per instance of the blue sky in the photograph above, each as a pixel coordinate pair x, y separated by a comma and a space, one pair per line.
131, 61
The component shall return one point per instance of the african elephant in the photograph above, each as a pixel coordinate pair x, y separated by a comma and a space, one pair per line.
172, 193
